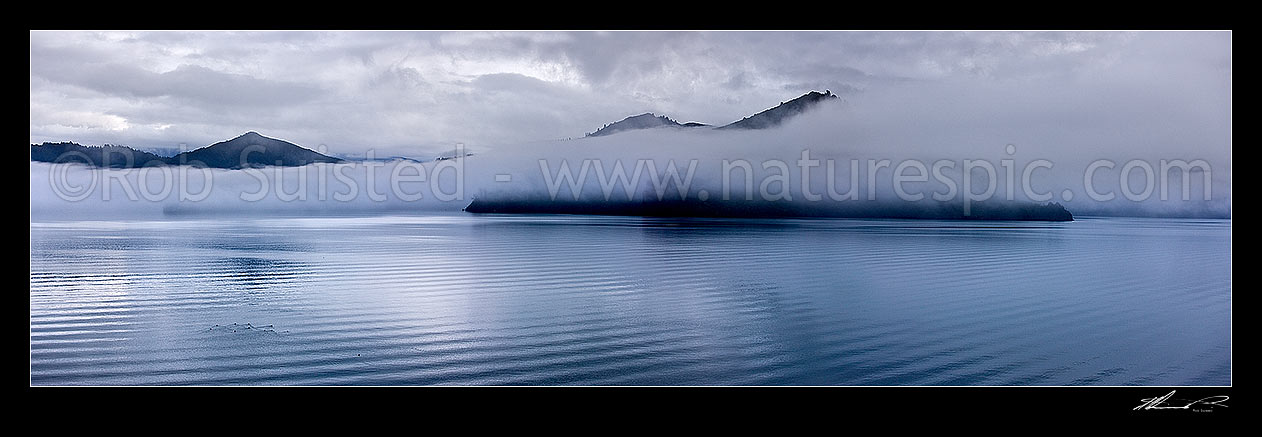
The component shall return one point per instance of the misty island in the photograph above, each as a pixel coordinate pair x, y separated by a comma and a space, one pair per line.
253, 150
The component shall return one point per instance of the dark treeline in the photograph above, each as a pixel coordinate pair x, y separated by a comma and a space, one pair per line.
986, 210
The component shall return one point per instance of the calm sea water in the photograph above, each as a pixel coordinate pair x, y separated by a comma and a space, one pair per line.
551, 300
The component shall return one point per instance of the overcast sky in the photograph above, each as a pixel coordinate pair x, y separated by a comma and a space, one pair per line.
422, 91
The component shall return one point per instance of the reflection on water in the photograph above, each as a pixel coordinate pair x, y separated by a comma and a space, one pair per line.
468, 299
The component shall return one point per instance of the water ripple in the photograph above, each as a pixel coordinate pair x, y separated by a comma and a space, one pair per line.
475, 300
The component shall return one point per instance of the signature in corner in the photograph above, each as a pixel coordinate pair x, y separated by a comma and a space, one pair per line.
1168, 402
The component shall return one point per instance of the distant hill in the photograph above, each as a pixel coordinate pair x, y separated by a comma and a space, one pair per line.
643, 121
103, 156
262, 151
762, 120
784, 111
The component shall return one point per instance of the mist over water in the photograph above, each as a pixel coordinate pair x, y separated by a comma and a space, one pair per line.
875, 161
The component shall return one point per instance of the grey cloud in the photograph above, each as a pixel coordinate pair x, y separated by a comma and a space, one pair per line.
188, 82
738, 81
400, 77
509, 82
426, 90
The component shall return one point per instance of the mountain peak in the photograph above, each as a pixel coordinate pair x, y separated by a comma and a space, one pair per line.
253, 149
251, 135
643, 121
762, 120
785, 110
